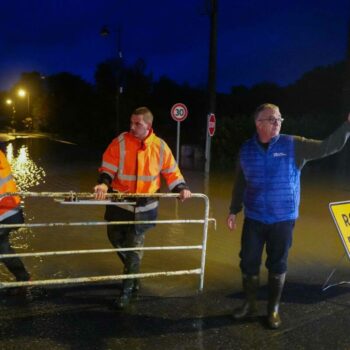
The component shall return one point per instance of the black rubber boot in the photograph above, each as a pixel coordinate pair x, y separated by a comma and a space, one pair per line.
16, 267
125, 297
276, 283
250, 287
137, 285
128, 286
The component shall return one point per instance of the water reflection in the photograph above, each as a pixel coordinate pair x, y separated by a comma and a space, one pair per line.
26, 172
27, 175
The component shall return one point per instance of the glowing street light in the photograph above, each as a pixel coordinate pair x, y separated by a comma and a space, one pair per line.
23, 93
10, 102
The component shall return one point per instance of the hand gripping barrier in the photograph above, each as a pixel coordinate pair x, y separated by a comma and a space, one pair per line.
88, 198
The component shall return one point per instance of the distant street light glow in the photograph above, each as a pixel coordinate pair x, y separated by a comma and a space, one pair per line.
22, 93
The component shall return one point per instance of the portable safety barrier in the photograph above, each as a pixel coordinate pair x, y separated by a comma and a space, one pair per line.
82, 198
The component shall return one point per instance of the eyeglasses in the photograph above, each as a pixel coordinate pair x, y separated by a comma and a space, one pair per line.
273, 120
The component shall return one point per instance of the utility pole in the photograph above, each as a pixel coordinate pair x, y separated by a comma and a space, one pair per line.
211, 76
118, 73
119, 77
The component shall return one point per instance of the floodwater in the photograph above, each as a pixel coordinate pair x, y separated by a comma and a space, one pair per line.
168, 313
46, 165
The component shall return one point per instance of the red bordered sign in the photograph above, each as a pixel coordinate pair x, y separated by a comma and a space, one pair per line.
179, 112
211, 124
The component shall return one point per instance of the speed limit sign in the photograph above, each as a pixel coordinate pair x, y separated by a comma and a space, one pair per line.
179, 112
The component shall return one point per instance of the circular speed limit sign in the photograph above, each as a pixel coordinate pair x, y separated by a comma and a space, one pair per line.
179, 112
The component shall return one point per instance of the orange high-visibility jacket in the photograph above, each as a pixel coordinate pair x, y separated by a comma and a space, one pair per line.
9, 205
135, 166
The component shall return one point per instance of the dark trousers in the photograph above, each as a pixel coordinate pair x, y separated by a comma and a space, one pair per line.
127, 236
14, 265
278, 239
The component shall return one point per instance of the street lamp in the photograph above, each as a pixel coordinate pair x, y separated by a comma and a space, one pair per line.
28, 121
23, 93
119, 72
10, 103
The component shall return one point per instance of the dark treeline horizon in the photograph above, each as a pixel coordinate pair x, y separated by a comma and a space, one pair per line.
65, 104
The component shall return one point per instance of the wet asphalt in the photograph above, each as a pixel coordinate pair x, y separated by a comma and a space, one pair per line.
81, 317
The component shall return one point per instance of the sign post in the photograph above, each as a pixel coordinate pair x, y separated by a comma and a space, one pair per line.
179, 113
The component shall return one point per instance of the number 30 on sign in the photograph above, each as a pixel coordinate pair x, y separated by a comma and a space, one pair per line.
179, 112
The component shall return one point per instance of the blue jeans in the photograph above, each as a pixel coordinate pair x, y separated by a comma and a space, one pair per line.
278, 239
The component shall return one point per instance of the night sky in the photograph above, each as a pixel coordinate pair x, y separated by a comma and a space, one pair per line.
258, 41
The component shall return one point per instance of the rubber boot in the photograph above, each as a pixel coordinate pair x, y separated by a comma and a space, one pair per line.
250, 287
276, 283
128, 287
137, 285
22, 292
125, 297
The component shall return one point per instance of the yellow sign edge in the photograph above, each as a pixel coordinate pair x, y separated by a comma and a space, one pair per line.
336, 223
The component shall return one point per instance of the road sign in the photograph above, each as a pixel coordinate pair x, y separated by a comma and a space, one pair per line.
211, 124
179, 112
341, 216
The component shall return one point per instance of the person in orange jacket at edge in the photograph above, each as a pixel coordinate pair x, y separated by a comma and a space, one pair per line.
133, 163
10, 213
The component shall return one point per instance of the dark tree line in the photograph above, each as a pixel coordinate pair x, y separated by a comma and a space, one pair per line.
85, 113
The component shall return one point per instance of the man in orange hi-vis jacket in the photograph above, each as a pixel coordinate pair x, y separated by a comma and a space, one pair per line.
133, 163
10, 213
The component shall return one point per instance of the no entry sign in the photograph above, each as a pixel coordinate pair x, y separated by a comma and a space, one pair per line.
211, 124
179, 112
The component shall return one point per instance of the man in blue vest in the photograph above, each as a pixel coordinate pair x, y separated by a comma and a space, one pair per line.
267, 185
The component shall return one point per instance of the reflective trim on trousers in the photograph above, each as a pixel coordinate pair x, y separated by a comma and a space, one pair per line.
144, 208
9, 213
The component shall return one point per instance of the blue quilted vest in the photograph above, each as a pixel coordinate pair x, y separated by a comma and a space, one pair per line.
272, 192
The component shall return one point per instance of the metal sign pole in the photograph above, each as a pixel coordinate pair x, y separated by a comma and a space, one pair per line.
178, 144
207, 149
179, 113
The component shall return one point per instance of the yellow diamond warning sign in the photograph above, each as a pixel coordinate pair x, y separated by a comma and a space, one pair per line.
341, 216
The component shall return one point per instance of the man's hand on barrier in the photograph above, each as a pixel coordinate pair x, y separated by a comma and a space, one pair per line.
231, 222
184, 194
100, 191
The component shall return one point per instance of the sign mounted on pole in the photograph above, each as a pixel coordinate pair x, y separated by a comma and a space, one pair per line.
179, 112
211, 124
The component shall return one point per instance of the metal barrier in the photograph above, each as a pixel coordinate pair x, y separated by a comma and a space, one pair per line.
112, 199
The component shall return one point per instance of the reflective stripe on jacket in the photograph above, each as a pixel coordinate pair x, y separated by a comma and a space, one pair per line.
272, 192
9, 205
135, 166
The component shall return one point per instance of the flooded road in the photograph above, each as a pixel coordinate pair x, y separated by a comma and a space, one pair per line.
168, 313
44, 165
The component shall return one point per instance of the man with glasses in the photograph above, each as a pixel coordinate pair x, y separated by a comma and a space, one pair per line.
267, 185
